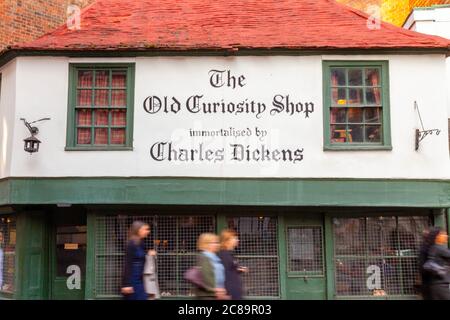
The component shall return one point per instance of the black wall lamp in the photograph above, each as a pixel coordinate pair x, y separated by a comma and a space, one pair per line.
32, 143
421, 134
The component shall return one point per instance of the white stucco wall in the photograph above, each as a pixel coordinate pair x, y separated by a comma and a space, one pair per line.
42, 86
434, 21
7, 116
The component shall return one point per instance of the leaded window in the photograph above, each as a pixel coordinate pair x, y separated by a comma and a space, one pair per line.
258, 250
7, 254
377, 256
173, 237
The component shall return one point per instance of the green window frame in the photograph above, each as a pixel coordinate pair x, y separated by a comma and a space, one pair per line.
369, 137
111, 94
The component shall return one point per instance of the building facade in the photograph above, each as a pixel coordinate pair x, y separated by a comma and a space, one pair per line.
304, 143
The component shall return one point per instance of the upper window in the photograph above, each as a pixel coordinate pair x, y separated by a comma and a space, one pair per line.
100, 107
356, 105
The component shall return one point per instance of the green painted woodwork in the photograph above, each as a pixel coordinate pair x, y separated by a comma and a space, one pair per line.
90, 256
386, 128
329, 257
71, 114
439, 218
210, 191
301, 286
32, 249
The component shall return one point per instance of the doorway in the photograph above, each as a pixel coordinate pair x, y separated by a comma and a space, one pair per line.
68, 258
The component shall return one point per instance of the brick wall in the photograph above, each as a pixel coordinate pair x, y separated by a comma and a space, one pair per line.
25, 20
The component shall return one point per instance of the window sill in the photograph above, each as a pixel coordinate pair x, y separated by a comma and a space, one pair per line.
360, 147
121, 148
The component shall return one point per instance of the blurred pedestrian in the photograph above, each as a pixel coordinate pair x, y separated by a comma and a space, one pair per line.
212, 269
233, 282
132, 283
434, 265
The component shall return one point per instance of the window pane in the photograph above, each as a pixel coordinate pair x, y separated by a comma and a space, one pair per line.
118, 136
373, 133
355, 96
101, 136
101, 98
372, 115
102, 79
75, 254
119, 117
84, 136
373, 96
338, 77
119, 98
355, 77
305, 250
101, 117
355, 115
373, 77
84, 79
84, 117
338, 134
119, 79
338, 115
84, 98
338, 97
356, 133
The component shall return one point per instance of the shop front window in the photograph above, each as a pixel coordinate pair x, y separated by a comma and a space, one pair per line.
7, 254
377, 256
258, 250
173, 237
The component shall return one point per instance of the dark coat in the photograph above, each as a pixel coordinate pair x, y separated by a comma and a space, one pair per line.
233, 281
439, 287
134, 270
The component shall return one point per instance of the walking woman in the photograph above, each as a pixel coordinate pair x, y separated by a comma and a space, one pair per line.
133, 284
435, 276
213, 273
233, 281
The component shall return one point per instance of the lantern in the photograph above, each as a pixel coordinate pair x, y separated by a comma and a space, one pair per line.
31, 144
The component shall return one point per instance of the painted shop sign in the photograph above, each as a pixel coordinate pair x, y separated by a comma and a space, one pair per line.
236, 144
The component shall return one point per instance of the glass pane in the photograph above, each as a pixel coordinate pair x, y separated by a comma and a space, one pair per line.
338, 97
84, 117
338, 134
355, 133
119, 79
101, 117
373, 134
84, 136
101, 98
373, 96
373, 77
119, 117
118, 136
355, 96
102, 79
355, 77
355, 115
8, 235
372, 115
119, 98
84, 79
338, 115
70, 251
101, 136
338, 77
305, 249
84, 98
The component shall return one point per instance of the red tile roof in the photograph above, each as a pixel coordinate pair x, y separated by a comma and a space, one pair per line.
224, 24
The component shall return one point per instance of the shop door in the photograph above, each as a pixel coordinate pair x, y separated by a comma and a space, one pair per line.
69, 260
305, 261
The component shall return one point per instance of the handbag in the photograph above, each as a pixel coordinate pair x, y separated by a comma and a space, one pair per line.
434, 268
194, 275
